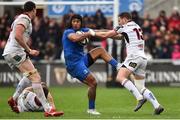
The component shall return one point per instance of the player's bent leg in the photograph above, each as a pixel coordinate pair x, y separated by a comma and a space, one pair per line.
92, 84
37, 87
12, 100
140, 84
100, 53
24, 82
29, 70
103, 54
122, 76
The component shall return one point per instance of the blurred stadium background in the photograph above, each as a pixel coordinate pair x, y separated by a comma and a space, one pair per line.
160, 21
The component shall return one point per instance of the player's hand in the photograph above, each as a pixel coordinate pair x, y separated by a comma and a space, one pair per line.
34, 52
92, 32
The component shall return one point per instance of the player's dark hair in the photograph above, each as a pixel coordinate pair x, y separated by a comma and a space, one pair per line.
75, 16
29, 6
125, 15
45, 89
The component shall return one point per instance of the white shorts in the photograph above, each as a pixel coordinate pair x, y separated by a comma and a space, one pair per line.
15, 59
136, 64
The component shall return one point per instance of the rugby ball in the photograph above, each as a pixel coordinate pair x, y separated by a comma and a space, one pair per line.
82, 42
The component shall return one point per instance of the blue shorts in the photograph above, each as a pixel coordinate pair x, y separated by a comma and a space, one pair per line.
80, 70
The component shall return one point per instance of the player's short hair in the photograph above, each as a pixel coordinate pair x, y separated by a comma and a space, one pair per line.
45, 89
125, 15
29, 6
75, 16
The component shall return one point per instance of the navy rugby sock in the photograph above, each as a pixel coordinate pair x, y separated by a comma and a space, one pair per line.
91, 104
113, 62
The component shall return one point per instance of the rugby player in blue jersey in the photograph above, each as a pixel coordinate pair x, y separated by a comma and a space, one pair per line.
78, 63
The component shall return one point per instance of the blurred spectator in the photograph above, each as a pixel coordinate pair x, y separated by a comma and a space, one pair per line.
176, 52
146, 27
136, 18
176, 45
50, 52
65, 19
174, 20
158, 50
162, 20
148, 54
100, 20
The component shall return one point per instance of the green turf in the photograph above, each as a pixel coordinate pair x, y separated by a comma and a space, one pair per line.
113, 103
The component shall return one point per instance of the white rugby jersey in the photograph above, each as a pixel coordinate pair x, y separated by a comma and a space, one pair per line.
26, 102
12, 45
133, 38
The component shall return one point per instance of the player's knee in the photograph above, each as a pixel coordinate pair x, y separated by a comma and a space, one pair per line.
119, 78
102, 50
37, 77
140, 85
33, 75
92, 83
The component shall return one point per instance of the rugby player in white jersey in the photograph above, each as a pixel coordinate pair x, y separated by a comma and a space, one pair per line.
135, 62
16, 57
28, 101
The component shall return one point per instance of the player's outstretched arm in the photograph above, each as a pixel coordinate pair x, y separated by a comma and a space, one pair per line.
106, 34
78, 37
118, 37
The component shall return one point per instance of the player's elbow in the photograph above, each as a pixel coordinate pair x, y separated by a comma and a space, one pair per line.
104, 36
74, 39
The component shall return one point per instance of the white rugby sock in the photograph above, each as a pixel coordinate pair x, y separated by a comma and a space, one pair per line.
23, 83
150, 97
40, 95
131, 87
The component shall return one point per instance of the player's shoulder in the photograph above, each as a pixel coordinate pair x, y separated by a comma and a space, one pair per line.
85, 29
24, 17
131, 24
70, 30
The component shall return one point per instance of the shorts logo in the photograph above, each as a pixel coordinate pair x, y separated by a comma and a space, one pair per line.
132, 64
17, 58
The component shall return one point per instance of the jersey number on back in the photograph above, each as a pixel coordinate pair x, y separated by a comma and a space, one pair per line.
138, 33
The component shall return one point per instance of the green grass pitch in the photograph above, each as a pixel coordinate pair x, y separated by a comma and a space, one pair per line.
113, 103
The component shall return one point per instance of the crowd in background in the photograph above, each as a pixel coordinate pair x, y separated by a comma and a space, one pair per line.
161, 35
